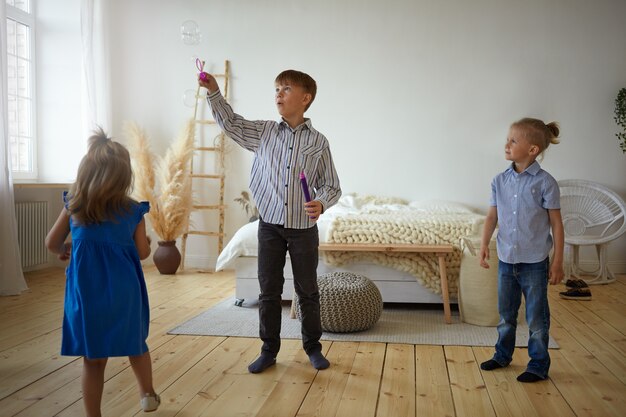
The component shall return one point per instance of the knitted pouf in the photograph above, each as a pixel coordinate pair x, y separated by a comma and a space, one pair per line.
348, 302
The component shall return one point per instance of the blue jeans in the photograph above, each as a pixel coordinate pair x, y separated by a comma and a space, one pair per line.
532, 281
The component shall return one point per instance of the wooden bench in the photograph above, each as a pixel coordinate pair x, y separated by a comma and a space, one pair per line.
439, 250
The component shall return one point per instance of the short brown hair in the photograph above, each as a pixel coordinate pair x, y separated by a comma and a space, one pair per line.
301, 79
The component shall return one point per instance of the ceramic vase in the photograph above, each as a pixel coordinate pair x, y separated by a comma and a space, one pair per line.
167, 257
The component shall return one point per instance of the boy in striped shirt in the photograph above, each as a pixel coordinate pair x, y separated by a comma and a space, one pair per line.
282, 150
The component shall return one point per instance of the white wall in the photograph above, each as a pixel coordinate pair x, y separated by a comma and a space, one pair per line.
415, 96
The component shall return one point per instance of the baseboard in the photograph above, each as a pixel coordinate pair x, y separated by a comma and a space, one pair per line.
208, 263
618, 267
200, 262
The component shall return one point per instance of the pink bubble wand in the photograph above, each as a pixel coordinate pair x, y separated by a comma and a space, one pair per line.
305, 187
203, 76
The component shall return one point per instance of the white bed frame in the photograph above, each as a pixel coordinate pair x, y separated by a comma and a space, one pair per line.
395, 286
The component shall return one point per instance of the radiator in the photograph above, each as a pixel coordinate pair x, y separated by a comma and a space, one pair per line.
32, 227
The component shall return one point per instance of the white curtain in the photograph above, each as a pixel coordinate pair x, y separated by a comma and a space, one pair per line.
96, 108
11, 276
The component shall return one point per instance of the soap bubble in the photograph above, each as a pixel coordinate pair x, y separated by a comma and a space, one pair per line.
190, 33
189, 98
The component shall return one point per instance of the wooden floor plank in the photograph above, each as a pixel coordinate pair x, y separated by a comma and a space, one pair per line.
604, 306
512, 398
433, 397
586, 384
41, 389
397, 388
170, 362
328, 387
361, 394
507, 396
198, 381
602, 341
293, 378
68, 397
204, 375
30, 361
468, 388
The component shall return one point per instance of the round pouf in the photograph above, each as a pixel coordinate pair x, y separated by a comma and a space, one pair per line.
348, 302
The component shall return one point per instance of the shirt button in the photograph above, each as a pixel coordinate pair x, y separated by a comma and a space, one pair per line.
515, 212
285, 185
285, 203
288, 168
515, 230
513, 196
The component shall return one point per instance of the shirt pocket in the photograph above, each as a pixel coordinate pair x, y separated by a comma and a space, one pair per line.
307, 159
535, 196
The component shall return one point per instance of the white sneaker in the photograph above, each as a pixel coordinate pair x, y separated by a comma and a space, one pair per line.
150, 402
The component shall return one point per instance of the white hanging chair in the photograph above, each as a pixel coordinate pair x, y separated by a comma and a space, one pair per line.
592, 215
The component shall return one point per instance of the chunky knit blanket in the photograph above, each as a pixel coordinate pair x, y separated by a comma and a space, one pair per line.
406, 226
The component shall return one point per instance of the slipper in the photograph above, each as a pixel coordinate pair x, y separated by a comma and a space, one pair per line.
582, 294
576, 283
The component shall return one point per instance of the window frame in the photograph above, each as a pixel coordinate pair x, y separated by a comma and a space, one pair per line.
28, 19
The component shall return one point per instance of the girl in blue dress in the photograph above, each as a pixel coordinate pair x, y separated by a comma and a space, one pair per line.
106, 302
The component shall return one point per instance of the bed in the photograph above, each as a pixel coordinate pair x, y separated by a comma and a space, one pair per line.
401, 278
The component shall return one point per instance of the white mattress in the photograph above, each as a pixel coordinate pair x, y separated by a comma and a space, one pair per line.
395, 286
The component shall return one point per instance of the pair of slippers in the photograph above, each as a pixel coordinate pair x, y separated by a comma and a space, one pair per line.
577, 289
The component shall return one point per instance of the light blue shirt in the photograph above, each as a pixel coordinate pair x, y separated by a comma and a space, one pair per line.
522, 201
280, 155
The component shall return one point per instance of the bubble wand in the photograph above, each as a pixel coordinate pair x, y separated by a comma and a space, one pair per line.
203, 76
305, 187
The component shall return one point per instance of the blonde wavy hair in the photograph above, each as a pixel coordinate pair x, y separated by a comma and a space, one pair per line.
538, 133
103, 182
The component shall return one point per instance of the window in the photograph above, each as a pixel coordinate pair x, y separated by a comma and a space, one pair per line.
21, 91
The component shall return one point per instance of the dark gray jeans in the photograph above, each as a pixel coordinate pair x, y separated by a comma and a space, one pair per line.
302, 244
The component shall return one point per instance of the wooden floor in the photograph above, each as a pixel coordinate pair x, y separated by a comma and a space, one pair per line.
207, 376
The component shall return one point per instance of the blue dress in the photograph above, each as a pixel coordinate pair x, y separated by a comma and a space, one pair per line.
106, 301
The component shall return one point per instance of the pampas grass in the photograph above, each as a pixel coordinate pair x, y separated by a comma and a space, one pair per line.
168, 189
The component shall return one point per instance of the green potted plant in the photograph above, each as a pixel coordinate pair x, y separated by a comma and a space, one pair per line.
248, 205
620, 118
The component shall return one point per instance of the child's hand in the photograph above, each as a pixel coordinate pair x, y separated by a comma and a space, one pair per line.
209, 82
67, 251
313, 209
484, 257
556, 273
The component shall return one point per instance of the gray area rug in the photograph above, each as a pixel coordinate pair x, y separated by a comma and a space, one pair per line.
408, 324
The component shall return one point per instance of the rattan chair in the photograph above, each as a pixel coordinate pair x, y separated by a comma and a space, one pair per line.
592, 215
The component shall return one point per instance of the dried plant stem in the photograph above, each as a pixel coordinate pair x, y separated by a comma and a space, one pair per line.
171, 203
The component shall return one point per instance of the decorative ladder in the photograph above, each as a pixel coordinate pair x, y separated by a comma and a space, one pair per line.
218, 148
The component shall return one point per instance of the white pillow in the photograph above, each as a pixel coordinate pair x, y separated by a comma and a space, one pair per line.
244, 243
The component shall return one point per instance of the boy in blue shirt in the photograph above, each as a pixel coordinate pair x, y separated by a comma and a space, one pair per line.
282, 150
525, 202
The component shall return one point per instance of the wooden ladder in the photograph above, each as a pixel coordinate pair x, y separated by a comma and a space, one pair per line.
196, 174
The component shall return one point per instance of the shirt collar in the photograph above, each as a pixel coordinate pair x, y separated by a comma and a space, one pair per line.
533, 169
306, 123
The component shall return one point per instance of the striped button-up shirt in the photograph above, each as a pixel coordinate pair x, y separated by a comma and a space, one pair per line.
522, 202
280, 155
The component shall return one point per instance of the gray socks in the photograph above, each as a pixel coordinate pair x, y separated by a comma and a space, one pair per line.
262, 363
318, 360
266, 359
